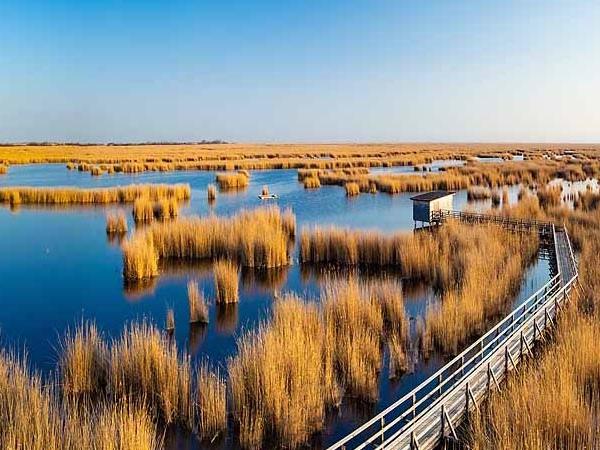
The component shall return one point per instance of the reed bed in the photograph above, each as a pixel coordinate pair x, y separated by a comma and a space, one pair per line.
257, 238
282, 378
211, 402
229, 181
197, 304
587, 201
33, 416
399, 361
226, 281
96, 171
124, 194
144, 364
554, 402
83, 364
116, 223
421, 256
222, 156
355, 323
493, 262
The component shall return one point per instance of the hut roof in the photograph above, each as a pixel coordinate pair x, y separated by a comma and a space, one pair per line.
431, 196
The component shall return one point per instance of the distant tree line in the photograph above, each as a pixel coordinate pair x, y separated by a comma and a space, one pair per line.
88, 144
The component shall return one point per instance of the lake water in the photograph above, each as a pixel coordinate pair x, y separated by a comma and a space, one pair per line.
57, 267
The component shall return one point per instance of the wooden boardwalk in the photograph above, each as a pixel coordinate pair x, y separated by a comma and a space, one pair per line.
424, 417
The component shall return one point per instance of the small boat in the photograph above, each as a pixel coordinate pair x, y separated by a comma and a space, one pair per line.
268, 196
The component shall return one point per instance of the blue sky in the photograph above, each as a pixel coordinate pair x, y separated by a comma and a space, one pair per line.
305, 71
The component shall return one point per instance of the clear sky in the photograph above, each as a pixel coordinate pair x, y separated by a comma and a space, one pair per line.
336, 70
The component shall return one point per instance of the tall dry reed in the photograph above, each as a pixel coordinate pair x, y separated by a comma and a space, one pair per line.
197, 304
83, 365
211, 398
258, 238
227, 181
145, 364
116, 223
226, 281
282, 378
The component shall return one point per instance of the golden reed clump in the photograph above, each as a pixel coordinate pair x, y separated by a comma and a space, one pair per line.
145, 364
116, 223
121, 194
146, 210
34, 417
3, 169
140, 258
197, 304
83, 364
226, 281
282, 378
311, 183
228, 181
257, 238
352, 189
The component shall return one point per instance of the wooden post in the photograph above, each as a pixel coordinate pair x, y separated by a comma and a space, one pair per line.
506, 360
521, 345
443, 419
382, 431
467, 398
414, 401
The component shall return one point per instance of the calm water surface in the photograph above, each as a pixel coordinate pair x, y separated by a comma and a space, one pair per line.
57, 267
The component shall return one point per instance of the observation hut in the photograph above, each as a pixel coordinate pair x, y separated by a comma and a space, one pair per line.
424, 205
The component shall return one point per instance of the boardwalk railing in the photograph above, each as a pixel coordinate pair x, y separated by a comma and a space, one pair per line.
429, 413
